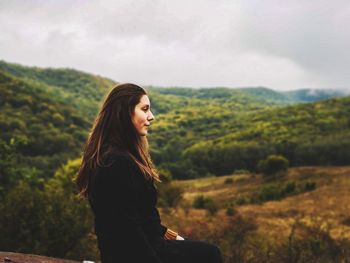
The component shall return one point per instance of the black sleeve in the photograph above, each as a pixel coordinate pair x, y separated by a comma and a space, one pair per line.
163, 229
120, 189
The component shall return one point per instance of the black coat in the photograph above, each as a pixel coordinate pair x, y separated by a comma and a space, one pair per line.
127, 222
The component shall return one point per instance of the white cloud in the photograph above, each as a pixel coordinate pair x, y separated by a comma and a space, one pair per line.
283, 45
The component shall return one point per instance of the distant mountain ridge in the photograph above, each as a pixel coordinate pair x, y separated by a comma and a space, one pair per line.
311, 95
267, 94
94, 86
295, 96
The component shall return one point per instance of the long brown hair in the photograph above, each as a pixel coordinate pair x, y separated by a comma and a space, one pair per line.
114, 132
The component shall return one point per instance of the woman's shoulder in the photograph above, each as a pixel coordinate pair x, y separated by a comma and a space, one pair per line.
120, 164
113, 158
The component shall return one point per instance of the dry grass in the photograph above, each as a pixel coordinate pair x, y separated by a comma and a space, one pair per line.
328, 205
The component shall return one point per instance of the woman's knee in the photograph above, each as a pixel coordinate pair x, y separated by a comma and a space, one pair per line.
216, 254
212, 253
197, 251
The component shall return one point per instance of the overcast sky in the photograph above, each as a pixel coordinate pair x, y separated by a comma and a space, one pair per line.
283, 45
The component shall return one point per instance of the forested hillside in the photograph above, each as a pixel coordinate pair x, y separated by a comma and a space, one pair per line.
46, 114
197, 132
81, 90
38, 131
220, 138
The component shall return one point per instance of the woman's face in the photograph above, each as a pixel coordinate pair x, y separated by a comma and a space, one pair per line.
142, 116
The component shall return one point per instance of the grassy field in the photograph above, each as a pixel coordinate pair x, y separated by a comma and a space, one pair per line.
327, 206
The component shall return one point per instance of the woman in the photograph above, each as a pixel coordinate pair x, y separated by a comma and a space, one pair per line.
118, 178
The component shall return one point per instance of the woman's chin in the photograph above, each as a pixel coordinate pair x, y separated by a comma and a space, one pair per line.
143, 133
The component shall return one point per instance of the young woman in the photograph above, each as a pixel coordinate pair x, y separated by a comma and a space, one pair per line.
118, 178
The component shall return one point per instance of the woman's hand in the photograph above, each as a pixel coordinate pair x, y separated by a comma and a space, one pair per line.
178, 237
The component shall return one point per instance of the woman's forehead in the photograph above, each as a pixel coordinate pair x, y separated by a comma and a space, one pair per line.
144, 101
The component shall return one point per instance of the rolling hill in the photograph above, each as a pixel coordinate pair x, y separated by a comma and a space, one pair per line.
197, 132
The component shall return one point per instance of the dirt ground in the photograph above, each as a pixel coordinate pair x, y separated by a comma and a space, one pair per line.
10, 257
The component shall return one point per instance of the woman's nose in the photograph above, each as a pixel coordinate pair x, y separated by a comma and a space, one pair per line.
150, 116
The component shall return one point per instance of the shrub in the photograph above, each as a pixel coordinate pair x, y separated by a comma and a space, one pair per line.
269, 192
289, 188
235, 239
241, 171
242, 200
52, 221
310, 243
273, 165
274, 191
169, 195
228, 181
309, 186
277, 191
211, 206
201, 202
346, 221
231, 210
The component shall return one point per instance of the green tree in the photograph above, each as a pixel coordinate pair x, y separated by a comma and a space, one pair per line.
169, 195
273, 164
52, 221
